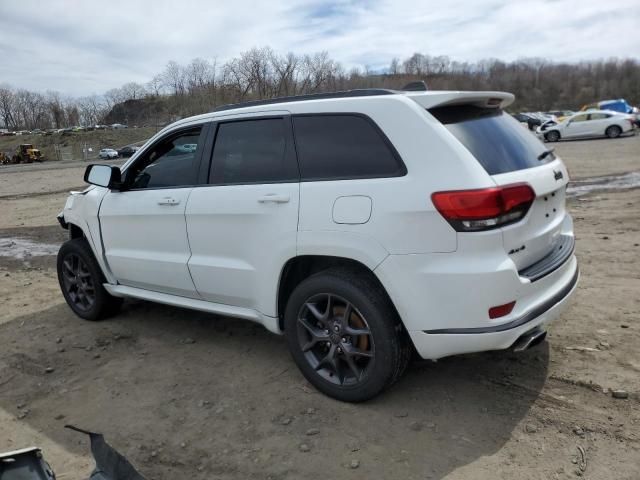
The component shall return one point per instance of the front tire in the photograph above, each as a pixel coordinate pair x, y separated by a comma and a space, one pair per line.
345, 335
552, 136
613, 131
81, 280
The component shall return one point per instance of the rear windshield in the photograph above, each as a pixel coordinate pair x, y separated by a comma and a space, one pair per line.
496, 139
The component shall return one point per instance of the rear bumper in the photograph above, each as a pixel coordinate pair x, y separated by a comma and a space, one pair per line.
525, 320
444, 302
433, 345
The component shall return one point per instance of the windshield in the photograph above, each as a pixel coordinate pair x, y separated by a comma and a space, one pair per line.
494, 138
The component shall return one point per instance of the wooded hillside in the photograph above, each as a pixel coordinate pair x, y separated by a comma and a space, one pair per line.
198, 87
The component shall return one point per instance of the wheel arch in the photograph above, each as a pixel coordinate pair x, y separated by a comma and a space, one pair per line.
76, 230
614, 125
301, 267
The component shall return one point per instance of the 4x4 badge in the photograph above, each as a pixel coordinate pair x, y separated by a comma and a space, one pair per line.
557, 175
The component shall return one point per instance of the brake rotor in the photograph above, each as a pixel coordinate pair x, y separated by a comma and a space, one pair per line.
355, 321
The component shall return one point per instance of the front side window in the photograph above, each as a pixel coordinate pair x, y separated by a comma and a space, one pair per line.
332, 147
170, 163
579, 118
598, 116
252, 151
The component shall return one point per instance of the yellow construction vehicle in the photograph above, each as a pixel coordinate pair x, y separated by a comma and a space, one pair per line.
26, 153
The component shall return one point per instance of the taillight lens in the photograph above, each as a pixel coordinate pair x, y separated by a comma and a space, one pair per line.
501, 310
484, 209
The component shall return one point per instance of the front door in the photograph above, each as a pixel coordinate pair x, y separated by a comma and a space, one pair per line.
143, 226
243, 227
578, 126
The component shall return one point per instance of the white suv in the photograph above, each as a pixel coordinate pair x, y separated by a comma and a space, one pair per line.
108, 153
361, 225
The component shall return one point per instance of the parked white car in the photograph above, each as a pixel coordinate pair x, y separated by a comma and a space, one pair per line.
108, 153
400, 220
588, 124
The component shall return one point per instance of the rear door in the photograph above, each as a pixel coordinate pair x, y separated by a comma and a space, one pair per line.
143, 227
512, 155
242, 226
598, 123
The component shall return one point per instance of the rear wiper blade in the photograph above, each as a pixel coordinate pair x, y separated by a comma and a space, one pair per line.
546, 153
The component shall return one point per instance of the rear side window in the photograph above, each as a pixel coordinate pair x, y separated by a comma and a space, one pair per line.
252, 151
333, 147
494, 138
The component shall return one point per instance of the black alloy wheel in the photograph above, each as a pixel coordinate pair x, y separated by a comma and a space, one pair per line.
77, 282
335, 338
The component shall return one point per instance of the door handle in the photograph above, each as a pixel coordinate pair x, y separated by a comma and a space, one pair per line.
168, 201
274, 198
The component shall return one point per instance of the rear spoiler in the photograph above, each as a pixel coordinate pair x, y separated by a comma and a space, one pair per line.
431, 99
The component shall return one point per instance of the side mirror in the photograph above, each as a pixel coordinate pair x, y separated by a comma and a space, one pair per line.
103, 176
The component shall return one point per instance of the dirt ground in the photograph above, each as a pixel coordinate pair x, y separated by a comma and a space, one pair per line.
188, 395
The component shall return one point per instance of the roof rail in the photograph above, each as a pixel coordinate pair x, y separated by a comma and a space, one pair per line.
361, 92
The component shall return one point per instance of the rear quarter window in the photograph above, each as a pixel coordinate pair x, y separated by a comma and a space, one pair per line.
343, 146
494, 138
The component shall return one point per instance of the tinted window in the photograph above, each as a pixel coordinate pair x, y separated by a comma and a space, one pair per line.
579, 118
342, 146
252, 151
497, 141
598, 116
170, 163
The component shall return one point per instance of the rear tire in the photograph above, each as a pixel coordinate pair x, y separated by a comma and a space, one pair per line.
613, 131
81, 279
345, 335
552, 136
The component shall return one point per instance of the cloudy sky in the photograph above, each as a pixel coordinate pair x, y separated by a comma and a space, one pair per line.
84, 47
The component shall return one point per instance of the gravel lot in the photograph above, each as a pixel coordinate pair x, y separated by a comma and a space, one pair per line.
188, 395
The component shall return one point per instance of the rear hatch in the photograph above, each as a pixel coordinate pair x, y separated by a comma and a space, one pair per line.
512, 155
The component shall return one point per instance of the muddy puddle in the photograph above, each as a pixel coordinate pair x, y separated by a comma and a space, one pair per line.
23, 249
578, 188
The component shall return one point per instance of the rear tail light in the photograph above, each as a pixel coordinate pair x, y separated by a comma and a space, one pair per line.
484, 209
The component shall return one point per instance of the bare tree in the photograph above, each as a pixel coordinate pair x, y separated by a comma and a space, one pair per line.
133, 91
96, 109
56, 109
72, 113
7, 107
173, 78
198, 75
394, 66
259, 73
114, 96
154, 86
285, 69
